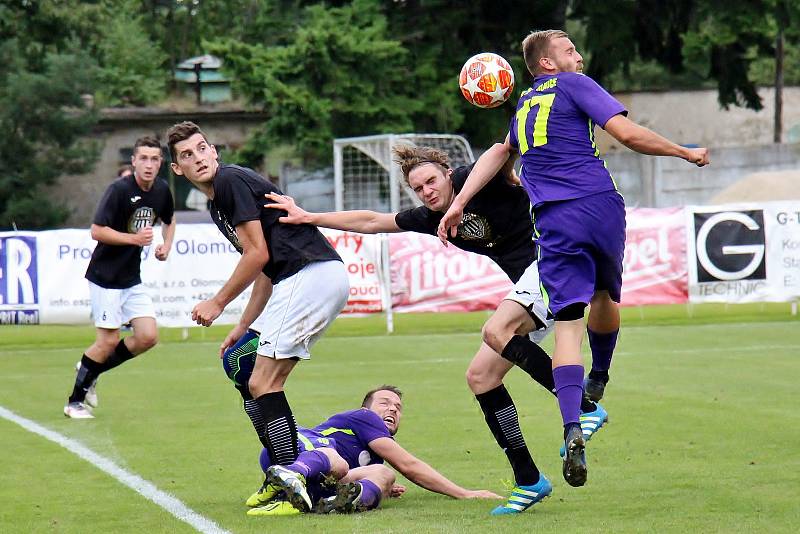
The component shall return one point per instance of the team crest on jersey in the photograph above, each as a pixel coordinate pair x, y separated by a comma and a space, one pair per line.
141, 218
475, 228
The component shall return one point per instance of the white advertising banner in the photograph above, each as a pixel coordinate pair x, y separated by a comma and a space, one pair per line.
744, 252
42, 274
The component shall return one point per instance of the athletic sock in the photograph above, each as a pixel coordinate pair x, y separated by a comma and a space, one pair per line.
602, 346
569, 390
254, 413
87, 373
501, 416
532, 359
370, 494
279, 431
120, 355
311, 464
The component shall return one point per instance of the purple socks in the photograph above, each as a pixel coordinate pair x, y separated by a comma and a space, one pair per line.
311, 464
370, 494
602, 346
569, 390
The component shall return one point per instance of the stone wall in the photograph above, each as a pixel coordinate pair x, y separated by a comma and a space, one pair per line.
119, 129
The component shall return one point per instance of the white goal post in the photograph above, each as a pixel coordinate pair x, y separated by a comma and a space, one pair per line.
365, 177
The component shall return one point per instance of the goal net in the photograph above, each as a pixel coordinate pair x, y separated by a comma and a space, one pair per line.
365, 177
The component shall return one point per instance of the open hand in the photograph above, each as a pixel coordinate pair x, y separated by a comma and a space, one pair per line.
233, 336
481, 494
294, 213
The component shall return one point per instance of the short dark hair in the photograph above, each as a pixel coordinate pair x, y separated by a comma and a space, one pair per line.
181, 132
123, 169
537, 45
410, 157
386, 387
147, 140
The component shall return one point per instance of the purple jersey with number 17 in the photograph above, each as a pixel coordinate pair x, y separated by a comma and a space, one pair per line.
553, 131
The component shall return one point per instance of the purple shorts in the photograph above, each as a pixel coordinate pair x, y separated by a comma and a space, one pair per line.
581, 245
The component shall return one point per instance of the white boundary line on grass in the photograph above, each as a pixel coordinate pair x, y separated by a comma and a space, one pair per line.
141, 486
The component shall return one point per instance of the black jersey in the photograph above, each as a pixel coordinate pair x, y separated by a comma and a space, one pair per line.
497, 223
239, 197
125, 207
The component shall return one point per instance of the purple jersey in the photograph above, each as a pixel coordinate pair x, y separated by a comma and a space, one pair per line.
352, 432
553, 131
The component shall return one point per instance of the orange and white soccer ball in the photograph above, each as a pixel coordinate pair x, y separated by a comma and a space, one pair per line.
486, 80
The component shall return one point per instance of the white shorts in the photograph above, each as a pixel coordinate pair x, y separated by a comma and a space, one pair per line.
528, 293
300, 310
112, 308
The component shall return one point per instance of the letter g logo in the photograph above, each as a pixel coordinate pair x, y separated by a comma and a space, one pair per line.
730, 246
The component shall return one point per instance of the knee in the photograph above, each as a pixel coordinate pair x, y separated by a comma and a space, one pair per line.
479, 379
390, 475
494, 333
147, 341
339, 467
107, 344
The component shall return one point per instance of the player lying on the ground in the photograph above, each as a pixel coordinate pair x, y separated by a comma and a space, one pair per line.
348, 448
496, 224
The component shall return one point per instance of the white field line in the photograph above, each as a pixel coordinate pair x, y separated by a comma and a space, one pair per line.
141, 486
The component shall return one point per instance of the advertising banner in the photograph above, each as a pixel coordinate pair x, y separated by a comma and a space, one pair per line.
427, 276
42, 274
655, 257
744, 252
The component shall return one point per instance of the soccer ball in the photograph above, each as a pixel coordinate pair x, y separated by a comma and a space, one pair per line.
486, 80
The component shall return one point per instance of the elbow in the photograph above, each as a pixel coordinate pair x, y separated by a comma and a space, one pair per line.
95, 232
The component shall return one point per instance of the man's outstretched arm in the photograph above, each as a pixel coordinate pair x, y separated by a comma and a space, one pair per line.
640, 139
363, 221
421, 473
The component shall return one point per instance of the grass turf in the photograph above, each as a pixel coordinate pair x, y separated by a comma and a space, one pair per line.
702, 434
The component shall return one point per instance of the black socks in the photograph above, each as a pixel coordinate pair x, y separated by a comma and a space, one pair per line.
278, 431
501, 416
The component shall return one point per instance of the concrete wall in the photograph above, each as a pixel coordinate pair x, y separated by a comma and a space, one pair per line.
694, 117
120, 128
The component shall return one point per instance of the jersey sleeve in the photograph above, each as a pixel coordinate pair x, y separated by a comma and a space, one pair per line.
238, 198
418, 220
368, 426
108, 207
593, 100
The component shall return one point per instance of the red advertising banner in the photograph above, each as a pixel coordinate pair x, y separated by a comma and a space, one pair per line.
655, 257
427, 276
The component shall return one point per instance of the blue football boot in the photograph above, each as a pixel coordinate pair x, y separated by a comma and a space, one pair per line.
591, 422
523, 497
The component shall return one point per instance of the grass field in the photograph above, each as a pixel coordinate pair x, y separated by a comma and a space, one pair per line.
703, 435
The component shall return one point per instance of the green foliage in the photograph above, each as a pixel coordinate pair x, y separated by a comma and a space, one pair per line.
132, 65
341, 75
646, 44
41, 122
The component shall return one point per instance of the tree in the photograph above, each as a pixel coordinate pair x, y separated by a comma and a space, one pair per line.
132, 66
41, 124
690, 39
340, 75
